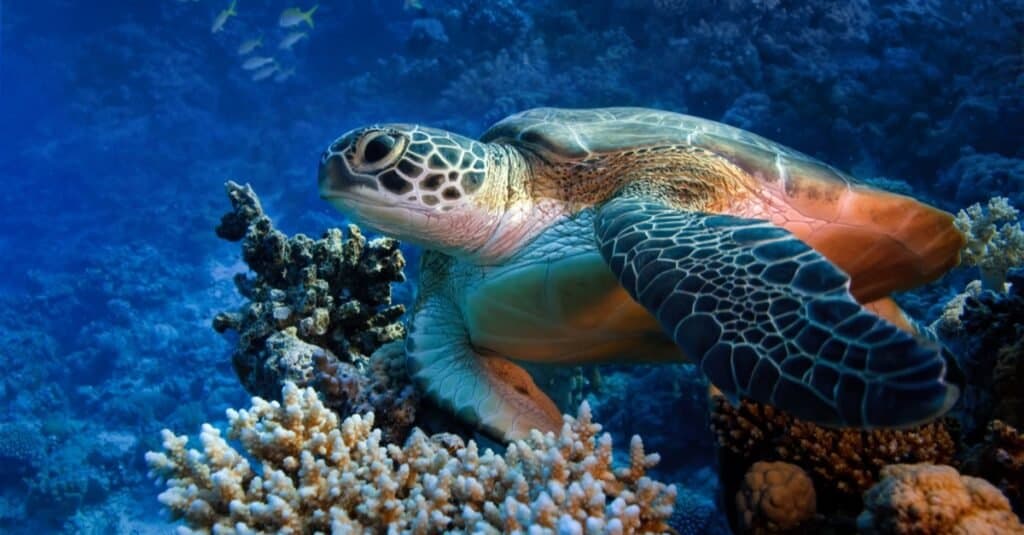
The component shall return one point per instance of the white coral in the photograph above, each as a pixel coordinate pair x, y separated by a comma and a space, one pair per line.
994, 248
949, 323
319, 476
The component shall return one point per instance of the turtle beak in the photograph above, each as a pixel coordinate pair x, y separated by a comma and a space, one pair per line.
331, 176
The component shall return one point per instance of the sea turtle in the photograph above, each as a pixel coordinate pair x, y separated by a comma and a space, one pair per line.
639, 235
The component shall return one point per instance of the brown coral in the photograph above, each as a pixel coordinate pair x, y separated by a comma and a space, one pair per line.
927, 499
774, 498
319, 474
384, 388
333, 293
847, 459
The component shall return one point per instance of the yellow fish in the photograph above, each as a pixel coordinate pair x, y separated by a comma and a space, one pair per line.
249, 45
294, 16
223, 16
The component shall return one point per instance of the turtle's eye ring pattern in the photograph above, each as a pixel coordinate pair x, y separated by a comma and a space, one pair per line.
378, 149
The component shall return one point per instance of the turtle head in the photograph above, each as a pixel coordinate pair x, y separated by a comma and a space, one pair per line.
423, 185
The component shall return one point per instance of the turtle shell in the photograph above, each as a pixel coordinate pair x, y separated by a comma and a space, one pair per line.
884, 241
579, 133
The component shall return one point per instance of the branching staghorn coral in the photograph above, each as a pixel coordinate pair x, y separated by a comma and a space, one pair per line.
994, 248
310, 301
935, 500
320, 475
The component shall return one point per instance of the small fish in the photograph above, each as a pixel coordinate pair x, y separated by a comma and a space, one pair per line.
249, 45
294, 16
256, 62
284, 75
223, 16
264, 73
409, 5
289, 40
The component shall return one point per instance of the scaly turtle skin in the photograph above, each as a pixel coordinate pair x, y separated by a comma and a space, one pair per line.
627, 234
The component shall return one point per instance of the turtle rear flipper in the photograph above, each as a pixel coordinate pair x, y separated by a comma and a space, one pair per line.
766, 316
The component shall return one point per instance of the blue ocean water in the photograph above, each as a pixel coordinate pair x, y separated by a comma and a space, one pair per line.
121, 121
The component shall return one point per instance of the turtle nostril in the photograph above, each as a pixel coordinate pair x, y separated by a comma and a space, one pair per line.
378, 147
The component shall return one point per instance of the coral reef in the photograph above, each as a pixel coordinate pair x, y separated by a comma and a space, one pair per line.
1007, 380
775, 497
674, 406
935, 500
697, 514
999, 458
949, 323
990, 333
384, 389
319, 474
109, 270
845, 460
974, 176
329, 298
993, 248
22, 448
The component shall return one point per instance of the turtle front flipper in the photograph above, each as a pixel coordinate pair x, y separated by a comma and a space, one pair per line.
767, 317
488, 391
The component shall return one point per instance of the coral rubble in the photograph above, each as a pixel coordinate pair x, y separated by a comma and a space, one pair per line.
319, 474
935, 500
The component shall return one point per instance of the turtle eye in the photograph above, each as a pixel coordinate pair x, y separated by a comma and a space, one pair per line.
378, 147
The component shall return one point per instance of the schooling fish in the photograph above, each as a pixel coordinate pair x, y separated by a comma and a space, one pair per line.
249, 45
264, 73
223, 16
290, 40
284, 75
256, 62
294, 16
